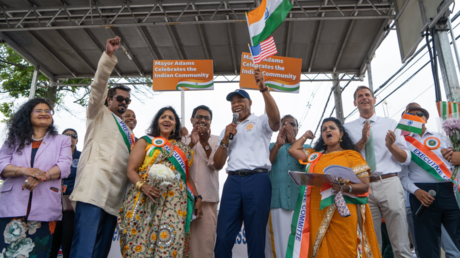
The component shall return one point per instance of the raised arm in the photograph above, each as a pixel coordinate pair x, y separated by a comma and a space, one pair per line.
296, 150
99, 85
270, 105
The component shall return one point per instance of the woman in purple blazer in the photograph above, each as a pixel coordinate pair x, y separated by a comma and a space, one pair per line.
33, 160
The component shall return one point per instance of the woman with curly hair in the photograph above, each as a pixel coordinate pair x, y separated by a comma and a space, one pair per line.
33, 160
326, 230
156, 214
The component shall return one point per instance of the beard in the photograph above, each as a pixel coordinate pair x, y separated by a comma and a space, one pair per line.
121, 109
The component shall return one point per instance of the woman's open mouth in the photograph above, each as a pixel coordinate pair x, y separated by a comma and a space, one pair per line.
166, 126
329, 135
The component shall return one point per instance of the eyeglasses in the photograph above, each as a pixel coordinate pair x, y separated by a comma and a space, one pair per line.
120, 99
206, 118
71, 135
46, 111
419, 114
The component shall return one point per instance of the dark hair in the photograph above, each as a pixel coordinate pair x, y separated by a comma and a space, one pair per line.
362, 88
20, 129
201, 107
346, 144
113, 91
154, 128
286, 116
70, 129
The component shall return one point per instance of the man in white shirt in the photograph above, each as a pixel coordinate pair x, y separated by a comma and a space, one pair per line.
385, 150
429, 171
247, 190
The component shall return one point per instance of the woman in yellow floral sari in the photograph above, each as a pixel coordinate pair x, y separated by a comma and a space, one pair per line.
155, 218
323, 232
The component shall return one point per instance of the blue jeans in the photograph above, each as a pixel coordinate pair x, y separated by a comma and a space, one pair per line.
93, 232
244, 198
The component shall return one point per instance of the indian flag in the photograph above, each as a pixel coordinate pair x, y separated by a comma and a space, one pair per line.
411, 123
327, 197
195, 85
266, 18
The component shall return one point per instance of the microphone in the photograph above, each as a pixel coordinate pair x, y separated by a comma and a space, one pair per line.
422, 208
235, 118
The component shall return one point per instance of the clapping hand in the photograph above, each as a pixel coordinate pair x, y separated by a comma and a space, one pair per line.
390, 139
281, 139
366, 131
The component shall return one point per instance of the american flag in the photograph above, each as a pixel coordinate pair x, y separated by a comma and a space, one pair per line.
266, 49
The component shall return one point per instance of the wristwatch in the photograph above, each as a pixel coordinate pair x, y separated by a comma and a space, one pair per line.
223, 145
198, 196
206, 147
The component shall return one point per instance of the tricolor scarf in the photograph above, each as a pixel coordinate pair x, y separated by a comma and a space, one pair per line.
180, 162
299, 239
431, 163
124, 131
327, 197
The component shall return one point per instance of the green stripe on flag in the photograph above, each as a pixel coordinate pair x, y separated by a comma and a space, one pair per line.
273, 22
273, 86
409, 128
192, 85
445, 109
326, 202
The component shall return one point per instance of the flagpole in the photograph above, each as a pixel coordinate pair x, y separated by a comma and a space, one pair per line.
247, 22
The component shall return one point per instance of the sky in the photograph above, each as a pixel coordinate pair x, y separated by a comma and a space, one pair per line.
307, 106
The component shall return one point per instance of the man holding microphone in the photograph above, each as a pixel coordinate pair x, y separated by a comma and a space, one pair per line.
247, 192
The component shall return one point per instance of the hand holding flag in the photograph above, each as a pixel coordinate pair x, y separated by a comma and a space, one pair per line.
259, 77
411, 123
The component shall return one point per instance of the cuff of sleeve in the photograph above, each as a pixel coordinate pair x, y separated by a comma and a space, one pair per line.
412, 189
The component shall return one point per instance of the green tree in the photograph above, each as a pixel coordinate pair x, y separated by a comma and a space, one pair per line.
16, 77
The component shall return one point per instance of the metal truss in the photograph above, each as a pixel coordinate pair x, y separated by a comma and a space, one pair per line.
220, 78
175, 13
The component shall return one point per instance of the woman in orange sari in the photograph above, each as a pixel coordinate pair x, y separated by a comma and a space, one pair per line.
320, 230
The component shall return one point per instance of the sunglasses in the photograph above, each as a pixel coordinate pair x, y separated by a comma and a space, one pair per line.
419, 114
71, 135
206, 118
121, 99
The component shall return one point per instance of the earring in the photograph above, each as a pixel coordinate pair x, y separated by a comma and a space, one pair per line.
174, 131
340, 140
158, 130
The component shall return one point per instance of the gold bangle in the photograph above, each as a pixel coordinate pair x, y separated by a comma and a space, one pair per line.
16, 172
305, 138
139, 185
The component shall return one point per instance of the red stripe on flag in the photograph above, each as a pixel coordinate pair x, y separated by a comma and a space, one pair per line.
267, 49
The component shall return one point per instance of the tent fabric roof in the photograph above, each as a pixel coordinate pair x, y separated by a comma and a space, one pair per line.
66, 38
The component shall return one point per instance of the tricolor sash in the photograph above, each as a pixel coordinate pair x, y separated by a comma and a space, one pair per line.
431, 163
124, 131
180, 162
299, 239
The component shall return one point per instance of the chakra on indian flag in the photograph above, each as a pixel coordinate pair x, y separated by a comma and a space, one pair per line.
313, 157
158, 142
432, 143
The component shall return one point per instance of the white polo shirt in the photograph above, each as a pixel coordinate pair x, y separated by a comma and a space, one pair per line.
249, 148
